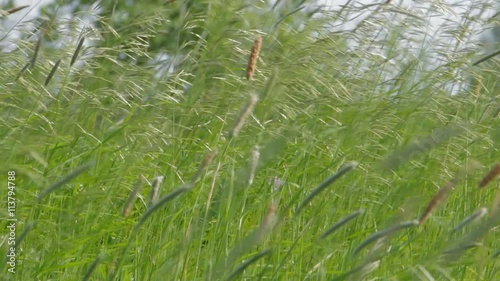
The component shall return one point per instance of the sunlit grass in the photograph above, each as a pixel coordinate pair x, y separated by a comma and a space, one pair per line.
319, 167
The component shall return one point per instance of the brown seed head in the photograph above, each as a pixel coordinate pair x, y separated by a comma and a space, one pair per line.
254, 55
492, 174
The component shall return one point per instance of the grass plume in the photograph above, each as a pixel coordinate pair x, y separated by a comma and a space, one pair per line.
16, 9
243, 115
67, 178
25, 67
440, 196
490, 176
470, 219
247, 263
37, 49
342, 171
127, 208
154, 194
254, 56
52, 72
92, 267
340, 223
383, 233
254, 162
77, 50
207, 160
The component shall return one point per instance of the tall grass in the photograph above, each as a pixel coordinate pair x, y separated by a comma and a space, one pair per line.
319, 167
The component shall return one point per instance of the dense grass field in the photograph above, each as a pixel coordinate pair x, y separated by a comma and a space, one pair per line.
306, 155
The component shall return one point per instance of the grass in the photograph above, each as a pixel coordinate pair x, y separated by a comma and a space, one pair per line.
317, 168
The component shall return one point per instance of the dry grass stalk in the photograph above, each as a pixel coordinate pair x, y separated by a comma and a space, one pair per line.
254, 55
436, 200
132, 197
490, 176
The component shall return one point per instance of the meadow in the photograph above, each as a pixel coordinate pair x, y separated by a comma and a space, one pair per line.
255, 147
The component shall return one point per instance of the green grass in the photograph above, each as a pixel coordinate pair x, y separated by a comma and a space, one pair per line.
81, 135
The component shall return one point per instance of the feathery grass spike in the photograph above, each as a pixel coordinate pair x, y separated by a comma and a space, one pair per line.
341, 223
35, 54
207, 160
461, 248
247, 263
29, 226
25, 67
471, 240
51, 74
16, 9
243, 115
132, 197
436, 200
77, 51
92, 268
481, 60
162, 202
421, 146
67, 178
254, 55
172, 195
254, 161
246, 243
492, 174
155, 190
377, 235
343, 170
472, 218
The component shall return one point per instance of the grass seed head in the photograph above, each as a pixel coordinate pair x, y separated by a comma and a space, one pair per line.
490, 176
436, 200
254, 56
